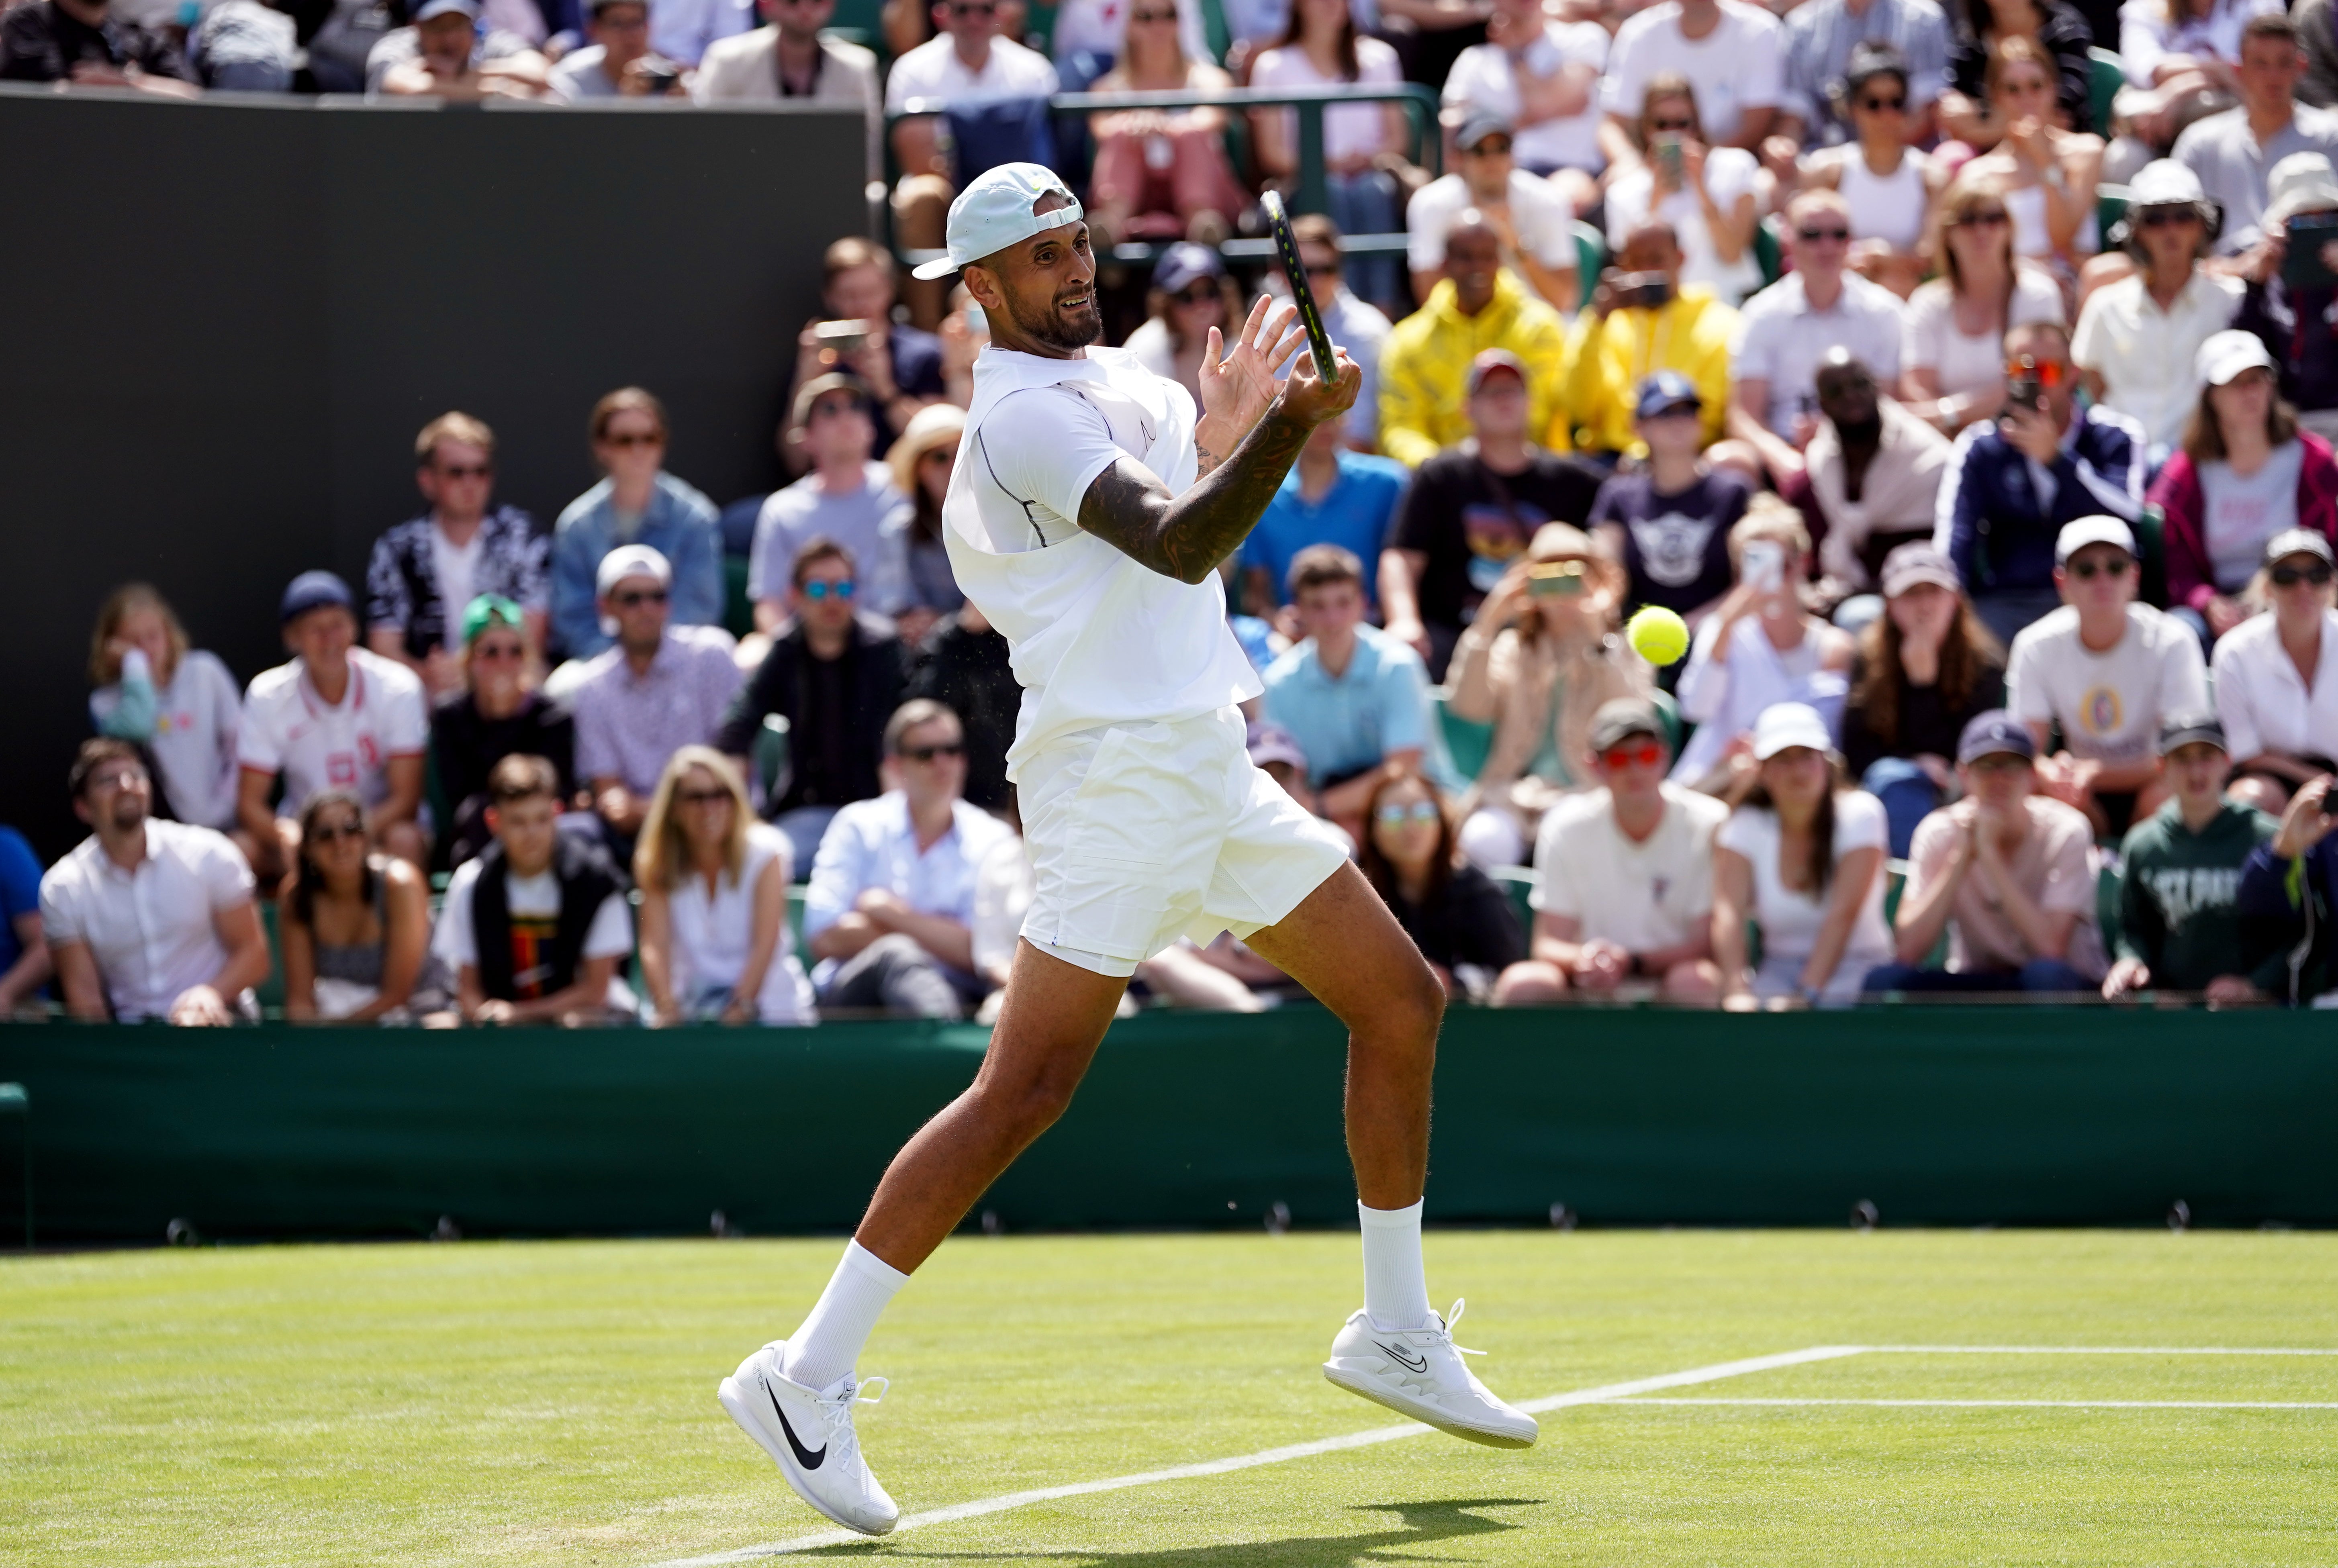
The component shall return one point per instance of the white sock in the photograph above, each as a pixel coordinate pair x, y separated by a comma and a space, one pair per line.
1396, 1286
825, 1348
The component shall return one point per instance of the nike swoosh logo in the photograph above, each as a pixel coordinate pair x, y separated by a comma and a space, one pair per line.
1410, 1363
805, 1457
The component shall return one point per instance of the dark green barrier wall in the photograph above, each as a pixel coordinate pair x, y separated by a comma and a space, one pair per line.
1938, 1116
233, 317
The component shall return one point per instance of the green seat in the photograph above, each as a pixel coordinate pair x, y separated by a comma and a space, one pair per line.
2151, 542
738, 609
1218, 34
1467, 741
1769, 252
1591, 259
1518, 882
2105, 74
2108, 885
271, 991
796, 892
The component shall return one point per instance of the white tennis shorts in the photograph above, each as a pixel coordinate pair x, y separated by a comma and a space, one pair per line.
1141, 834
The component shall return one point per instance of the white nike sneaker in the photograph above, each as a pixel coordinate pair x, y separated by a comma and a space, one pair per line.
1419, 1372
809, 1434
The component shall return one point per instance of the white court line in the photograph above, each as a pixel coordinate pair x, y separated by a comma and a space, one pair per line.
2019, 1404
2087, 1350
1605, 1393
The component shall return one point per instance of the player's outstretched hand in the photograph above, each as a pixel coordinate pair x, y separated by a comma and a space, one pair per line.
1237, 387
1307, 396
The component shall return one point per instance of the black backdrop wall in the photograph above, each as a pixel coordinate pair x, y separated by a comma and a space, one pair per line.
229, 319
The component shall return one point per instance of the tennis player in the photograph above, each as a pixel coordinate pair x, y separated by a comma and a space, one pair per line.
1086, 516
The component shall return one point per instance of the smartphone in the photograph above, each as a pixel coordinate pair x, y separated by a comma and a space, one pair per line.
661, 79
843, 337
1766, 565
1556, 579
1668, 158
2313, 244
1647, 291
2025, 388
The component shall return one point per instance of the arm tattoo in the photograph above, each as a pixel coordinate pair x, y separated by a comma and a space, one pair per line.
1185, 536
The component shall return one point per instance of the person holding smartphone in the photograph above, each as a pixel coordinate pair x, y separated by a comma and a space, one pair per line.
2289, 298
2283, 904
619, 62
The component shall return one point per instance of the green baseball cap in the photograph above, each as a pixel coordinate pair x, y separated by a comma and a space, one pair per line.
996, 212
488, 609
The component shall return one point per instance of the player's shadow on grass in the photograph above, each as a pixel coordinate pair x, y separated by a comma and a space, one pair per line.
1421, 1525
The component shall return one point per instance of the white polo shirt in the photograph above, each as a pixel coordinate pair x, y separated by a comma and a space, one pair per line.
1644, 894
1782, 337
2144, 355
288, 728
150, 930
2265, 703
1539, 215
1485, 77
933, 70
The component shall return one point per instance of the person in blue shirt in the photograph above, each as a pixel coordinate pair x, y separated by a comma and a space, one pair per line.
1354, 698
638, 503
23, 956
1331, 497
2012, 483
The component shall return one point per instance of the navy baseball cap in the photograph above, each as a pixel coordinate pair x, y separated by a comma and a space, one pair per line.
1182, 264
1992, 733
313, 590
1663, 392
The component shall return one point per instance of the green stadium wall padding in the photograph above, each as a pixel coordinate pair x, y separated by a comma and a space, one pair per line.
1944, 1115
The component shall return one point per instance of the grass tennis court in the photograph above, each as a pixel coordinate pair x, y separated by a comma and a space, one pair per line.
552, 1403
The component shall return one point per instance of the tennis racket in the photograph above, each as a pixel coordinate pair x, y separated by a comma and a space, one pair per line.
1286, 249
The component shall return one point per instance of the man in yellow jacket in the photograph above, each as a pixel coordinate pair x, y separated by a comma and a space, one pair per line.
1428, 357
1640, 321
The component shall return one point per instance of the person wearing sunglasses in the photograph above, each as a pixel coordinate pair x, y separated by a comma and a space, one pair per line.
1623, 890
1822, 39
145, 918
1706, 194
1800, 863
2044, 175
1190, 296
1727, 53
2245, 474
1527, 213
499, 711
636, 502
1890, 185
848, 496
1162, 174
2139, 334
1353, 324
2014, 484
2277, 675
655, 689
1954, 369
1542, 73
834, 675
353, 925
891, 908
1455, 915
1786, 330
715, 942
423, 573
2103, 669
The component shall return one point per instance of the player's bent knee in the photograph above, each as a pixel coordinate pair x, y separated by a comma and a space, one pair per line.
1529, 982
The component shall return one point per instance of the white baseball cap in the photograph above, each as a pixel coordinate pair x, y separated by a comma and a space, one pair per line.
2076, 536
996, 212
631, 560
2224, 354
1784, 725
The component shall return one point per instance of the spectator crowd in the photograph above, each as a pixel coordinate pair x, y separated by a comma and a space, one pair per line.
1968, 389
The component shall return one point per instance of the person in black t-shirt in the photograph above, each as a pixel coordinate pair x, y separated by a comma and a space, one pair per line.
1669, 521
1455, 914
494, 716
965, 665
835, 674
1472, 510
1923, 669
77, 41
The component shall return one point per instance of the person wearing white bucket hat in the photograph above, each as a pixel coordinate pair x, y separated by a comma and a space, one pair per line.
1086, 518
2137, 337
2292, 288
2245, 473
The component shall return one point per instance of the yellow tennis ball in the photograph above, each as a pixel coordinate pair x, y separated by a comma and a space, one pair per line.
1657, 635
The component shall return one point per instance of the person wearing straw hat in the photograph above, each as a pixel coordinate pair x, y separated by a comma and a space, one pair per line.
1089, 515
921, 462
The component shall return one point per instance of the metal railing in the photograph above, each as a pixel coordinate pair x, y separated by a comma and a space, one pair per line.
1311, 192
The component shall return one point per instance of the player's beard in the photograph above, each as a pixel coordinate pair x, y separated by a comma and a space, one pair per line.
1056, 330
